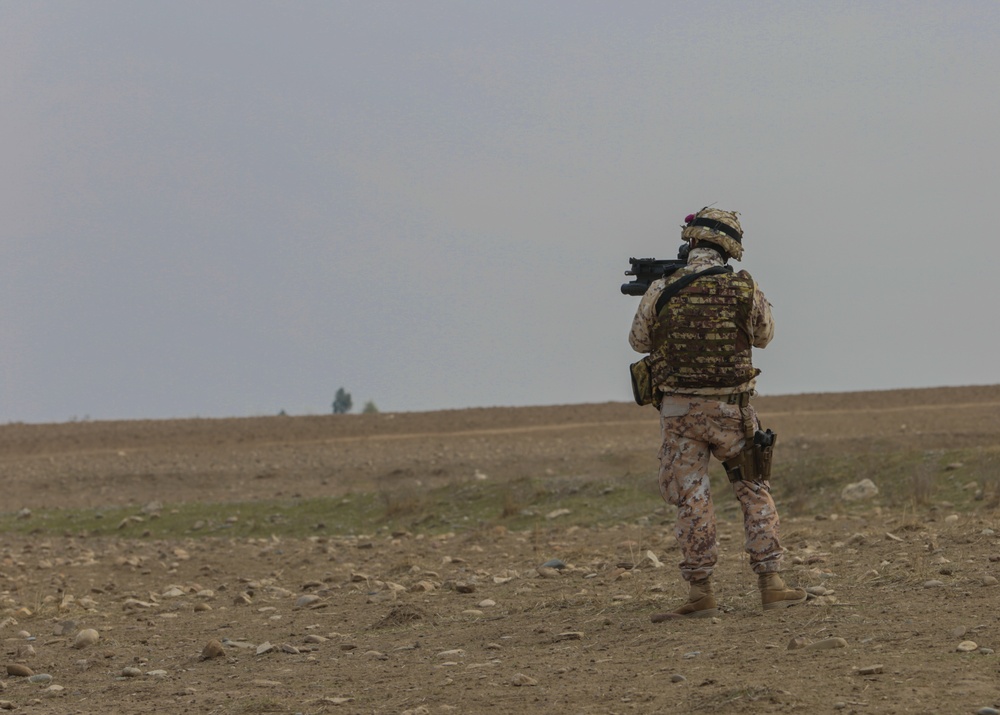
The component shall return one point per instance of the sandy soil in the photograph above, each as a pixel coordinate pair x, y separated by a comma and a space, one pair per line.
469, 622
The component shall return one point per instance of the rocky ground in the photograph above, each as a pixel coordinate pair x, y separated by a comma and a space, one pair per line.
903, 616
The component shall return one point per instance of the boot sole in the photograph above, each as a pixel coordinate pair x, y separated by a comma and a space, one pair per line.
783, 604
671, 616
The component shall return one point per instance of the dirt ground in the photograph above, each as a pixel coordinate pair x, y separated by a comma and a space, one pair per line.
474, 622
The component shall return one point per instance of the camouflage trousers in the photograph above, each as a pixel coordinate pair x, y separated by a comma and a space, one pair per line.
694, 429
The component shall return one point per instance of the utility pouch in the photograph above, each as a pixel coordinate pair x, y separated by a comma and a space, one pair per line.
642, 383
753, 463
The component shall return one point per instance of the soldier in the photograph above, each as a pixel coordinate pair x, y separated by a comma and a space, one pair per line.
700, 342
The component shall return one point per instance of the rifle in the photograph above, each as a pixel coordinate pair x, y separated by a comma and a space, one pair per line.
647, 270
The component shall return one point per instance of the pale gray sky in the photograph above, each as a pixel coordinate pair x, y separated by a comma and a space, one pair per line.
234, 208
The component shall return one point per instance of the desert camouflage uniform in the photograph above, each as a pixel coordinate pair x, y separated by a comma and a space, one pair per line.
695, 426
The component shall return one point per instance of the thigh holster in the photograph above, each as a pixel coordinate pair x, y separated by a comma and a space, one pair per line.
753, 463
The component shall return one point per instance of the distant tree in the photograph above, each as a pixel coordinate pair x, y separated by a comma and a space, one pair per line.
342, 402
370, 408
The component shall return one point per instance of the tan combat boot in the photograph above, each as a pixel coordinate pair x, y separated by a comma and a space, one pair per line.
700, 603
775, 594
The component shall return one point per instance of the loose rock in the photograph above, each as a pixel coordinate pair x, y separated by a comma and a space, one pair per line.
86, 637
827, 644
870, 670
865, 489
212, 649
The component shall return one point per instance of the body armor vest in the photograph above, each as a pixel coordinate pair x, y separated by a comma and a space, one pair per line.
701, 337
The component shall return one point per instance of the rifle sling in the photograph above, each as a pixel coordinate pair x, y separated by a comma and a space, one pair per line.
678, 285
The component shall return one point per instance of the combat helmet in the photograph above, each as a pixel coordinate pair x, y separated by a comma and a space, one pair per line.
716, 226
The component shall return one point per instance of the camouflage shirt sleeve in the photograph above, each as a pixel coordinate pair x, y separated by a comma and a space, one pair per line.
761, 322
640, 337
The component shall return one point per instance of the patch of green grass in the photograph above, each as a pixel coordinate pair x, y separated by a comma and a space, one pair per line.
519, 504
802, 484
917, 478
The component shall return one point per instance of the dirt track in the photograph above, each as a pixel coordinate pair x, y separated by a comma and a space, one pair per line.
404, 622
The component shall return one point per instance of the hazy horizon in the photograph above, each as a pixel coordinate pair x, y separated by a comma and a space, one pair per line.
226, 209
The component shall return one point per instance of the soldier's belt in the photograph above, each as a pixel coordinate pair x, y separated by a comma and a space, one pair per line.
740, 398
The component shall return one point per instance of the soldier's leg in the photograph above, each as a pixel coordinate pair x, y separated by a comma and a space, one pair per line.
760, 517
684, 483
760, 527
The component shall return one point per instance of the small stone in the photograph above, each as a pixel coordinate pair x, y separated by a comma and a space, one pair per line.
465, 587
650, 560
212, 649
54, 691
40, 679
570, 636
19, 670
870, 670
933, 583
677, 678
261, 683
797, 643
487, 603
264, 647
520, 680
959, 632
827, 644
987, 711
967, 646
130, 672
157, 674
554, 564
290, 649
307, 600
86, 637
989, 580
7, 705
865, 489
951, 519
